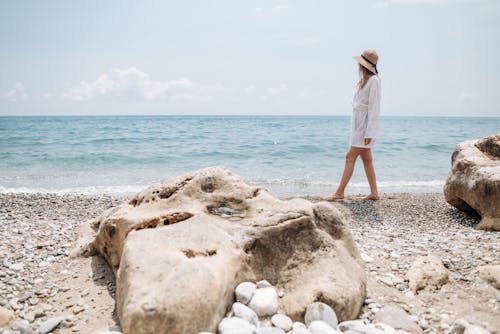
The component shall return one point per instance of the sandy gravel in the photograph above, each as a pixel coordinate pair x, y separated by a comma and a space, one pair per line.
39, 281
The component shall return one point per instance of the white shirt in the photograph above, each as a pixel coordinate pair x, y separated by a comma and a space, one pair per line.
365, 113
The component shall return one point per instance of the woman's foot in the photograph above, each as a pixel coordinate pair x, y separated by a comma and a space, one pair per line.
334, 197
371, 197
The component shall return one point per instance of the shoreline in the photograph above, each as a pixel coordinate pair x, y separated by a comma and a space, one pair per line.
39, 281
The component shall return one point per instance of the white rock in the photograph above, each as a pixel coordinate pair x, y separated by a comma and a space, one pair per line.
244, 312
321, 311
244, 292
473, 329
236, 326
366, 257
17, 267
282, 321
321, 327
270, 330
50, 324
263, 284
352, 325
264, 301
298, 324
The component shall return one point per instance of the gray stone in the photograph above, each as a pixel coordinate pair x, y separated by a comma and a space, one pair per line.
236, 326
244, 292
352, 325
321, 311
264, 302
50, 324
397, 318
427, 272
244, 312
321, 327
282, 321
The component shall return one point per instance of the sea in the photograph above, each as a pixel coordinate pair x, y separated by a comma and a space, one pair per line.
289, 155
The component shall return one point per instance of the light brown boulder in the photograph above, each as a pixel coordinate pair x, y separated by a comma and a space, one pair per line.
6, 316
491, 274
473, 184
179, 249
427, 272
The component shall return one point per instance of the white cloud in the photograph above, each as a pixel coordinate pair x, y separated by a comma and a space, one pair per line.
250, 89
281, 7
18, 92
134, 82
275, 91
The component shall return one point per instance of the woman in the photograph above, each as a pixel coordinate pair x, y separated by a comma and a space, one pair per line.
364, 124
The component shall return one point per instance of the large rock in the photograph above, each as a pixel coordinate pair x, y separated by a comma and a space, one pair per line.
473, 184
179, 249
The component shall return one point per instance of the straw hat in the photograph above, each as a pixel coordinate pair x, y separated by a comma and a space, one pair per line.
368, 59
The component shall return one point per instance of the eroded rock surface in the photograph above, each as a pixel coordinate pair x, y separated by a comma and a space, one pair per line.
473, 184
179, 249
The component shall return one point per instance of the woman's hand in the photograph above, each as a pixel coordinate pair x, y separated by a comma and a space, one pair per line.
368, 141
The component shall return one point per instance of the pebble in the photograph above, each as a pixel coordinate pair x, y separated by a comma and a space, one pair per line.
264, 301
50, 324
282, 321
244, 312
320, 311
321, 327
269, 330
235, 326
244, 292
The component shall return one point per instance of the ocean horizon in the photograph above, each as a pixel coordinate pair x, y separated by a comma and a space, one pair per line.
292, 155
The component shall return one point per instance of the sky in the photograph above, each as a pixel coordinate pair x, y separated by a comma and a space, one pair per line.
226, 57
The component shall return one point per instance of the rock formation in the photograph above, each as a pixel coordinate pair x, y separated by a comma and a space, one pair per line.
473, 184
180, 248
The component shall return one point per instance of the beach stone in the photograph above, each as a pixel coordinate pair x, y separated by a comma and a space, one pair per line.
270, 330
473, 329
321, 327
473, 183
6, 316
263, 284
265, 301
458, 326
282, 321
244, 312
351, 325
320, 311
491, 274
299, 328
427, 272
236, 326
244, 292
50, 324
397, 318
177, 264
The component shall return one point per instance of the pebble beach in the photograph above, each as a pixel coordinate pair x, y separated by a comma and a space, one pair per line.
50, 292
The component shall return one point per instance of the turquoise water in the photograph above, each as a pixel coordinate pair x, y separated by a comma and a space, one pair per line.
297, 155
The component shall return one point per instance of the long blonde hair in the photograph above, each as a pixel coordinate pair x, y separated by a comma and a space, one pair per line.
364, 75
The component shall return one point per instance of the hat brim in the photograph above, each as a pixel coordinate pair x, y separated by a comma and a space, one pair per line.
365, 64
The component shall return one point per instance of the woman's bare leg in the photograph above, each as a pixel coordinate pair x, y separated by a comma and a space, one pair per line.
350, 161
366, 156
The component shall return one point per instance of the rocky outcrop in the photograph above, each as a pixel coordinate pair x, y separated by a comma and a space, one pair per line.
473, 184
180, 248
